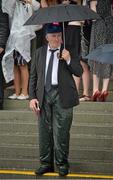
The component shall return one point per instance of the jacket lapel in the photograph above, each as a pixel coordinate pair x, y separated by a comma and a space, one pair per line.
43, 59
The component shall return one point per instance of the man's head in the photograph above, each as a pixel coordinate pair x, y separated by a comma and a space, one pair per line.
54, 35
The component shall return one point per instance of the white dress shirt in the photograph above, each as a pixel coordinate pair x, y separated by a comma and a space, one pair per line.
55, 65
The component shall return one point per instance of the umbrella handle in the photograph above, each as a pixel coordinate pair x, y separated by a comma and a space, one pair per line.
64, 35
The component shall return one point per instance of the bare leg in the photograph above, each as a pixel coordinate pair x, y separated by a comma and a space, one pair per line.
85, 78
77, 82
24, 79
95, 83
104, 92
17, 84
105, 84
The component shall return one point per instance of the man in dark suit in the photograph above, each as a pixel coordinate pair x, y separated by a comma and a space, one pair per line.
54, 99
4, 32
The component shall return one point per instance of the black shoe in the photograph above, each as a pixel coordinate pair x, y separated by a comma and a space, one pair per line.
63, 170
44, 169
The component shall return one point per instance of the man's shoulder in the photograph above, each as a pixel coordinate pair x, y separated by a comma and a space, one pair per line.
40, 49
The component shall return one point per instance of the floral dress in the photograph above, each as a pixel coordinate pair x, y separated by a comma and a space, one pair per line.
102, 33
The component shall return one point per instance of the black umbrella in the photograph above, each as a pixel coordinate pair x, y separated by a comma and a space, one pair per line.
102, 54
62, 13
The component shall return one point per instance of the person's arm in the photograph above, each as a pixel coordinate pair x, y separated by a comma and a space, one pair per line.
33, 78
43, 3
77, 1
33, 103
93, 5
68, 1
73, 63
35, 4
65, 2
1, 50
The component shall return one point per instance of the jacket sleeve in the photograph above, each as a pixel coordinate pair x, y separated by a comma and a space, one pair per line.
75, 67
4, 29
33, 78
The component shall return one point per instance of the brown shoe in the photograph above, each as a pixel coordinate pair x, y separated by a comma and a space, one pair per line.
84, 98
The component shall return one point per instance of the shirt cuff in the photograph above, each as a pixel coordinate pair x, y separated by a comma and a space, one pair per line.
68, 62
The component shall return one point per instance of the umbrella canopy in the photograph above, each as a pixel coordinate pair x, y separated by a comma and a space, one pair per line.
62, 13
102, 54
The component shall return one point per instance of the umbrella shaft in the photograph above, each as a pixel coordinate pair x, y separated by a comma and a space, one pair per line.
64, 34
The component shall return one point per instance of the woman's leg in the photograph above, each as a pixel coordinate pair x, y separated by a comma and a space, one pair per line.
85, 78
17, 82
96, 81
105, 84
77, 82
24, 79
96, 92
104, 92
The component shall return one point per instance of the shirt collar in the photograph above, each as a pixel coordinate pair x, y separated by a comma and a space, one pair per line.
55, 48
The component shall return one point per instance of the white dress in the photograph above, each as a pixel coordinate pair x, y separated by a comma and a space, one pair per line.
20, 36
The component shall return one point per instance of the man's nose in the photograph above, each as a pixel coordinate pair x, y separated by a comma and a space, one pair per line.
57, 38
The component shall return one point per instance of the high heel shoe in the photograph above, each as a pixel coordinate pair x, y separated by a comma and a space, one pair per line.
103, 96
95, 96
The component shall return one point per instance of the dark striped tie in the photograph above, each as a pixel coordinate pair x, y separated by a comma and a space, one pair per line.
49, 71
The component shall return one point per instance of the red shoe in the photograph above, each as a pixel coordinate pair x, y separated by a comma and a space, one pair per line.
103, 96
95, 96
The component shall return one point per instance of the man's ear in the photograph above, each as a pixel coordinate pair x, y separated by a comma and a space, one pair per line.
46, 37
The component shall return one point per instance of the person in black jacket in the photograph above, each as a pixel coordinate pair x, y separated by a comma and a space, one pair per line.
52, 89
4, 32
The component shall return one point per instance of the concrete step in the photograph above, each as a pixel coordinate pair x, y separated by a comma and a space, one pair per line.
77, 140
79, 116
18, 176
95, 107
16, 104
83, 106
92, 167
91, 143
17, 116
76, 153
26, 120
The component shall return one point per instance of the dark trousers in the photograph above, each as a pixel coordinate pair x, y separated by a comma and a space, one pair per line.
1, 84
54, 130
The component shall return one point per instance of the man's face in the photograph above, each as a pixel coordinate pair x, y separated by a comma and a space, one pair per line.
54, 39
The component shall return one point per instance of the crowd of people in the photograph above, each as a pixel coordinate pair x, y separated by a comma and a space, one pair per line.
81, 38
54, 82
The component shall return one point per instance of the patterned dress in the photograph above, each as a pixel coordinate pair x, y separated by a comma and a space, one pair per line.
102, 33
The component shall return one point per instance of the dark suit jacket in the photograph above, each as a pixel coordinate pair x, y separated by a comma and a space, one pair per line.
66, 85
4, 28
